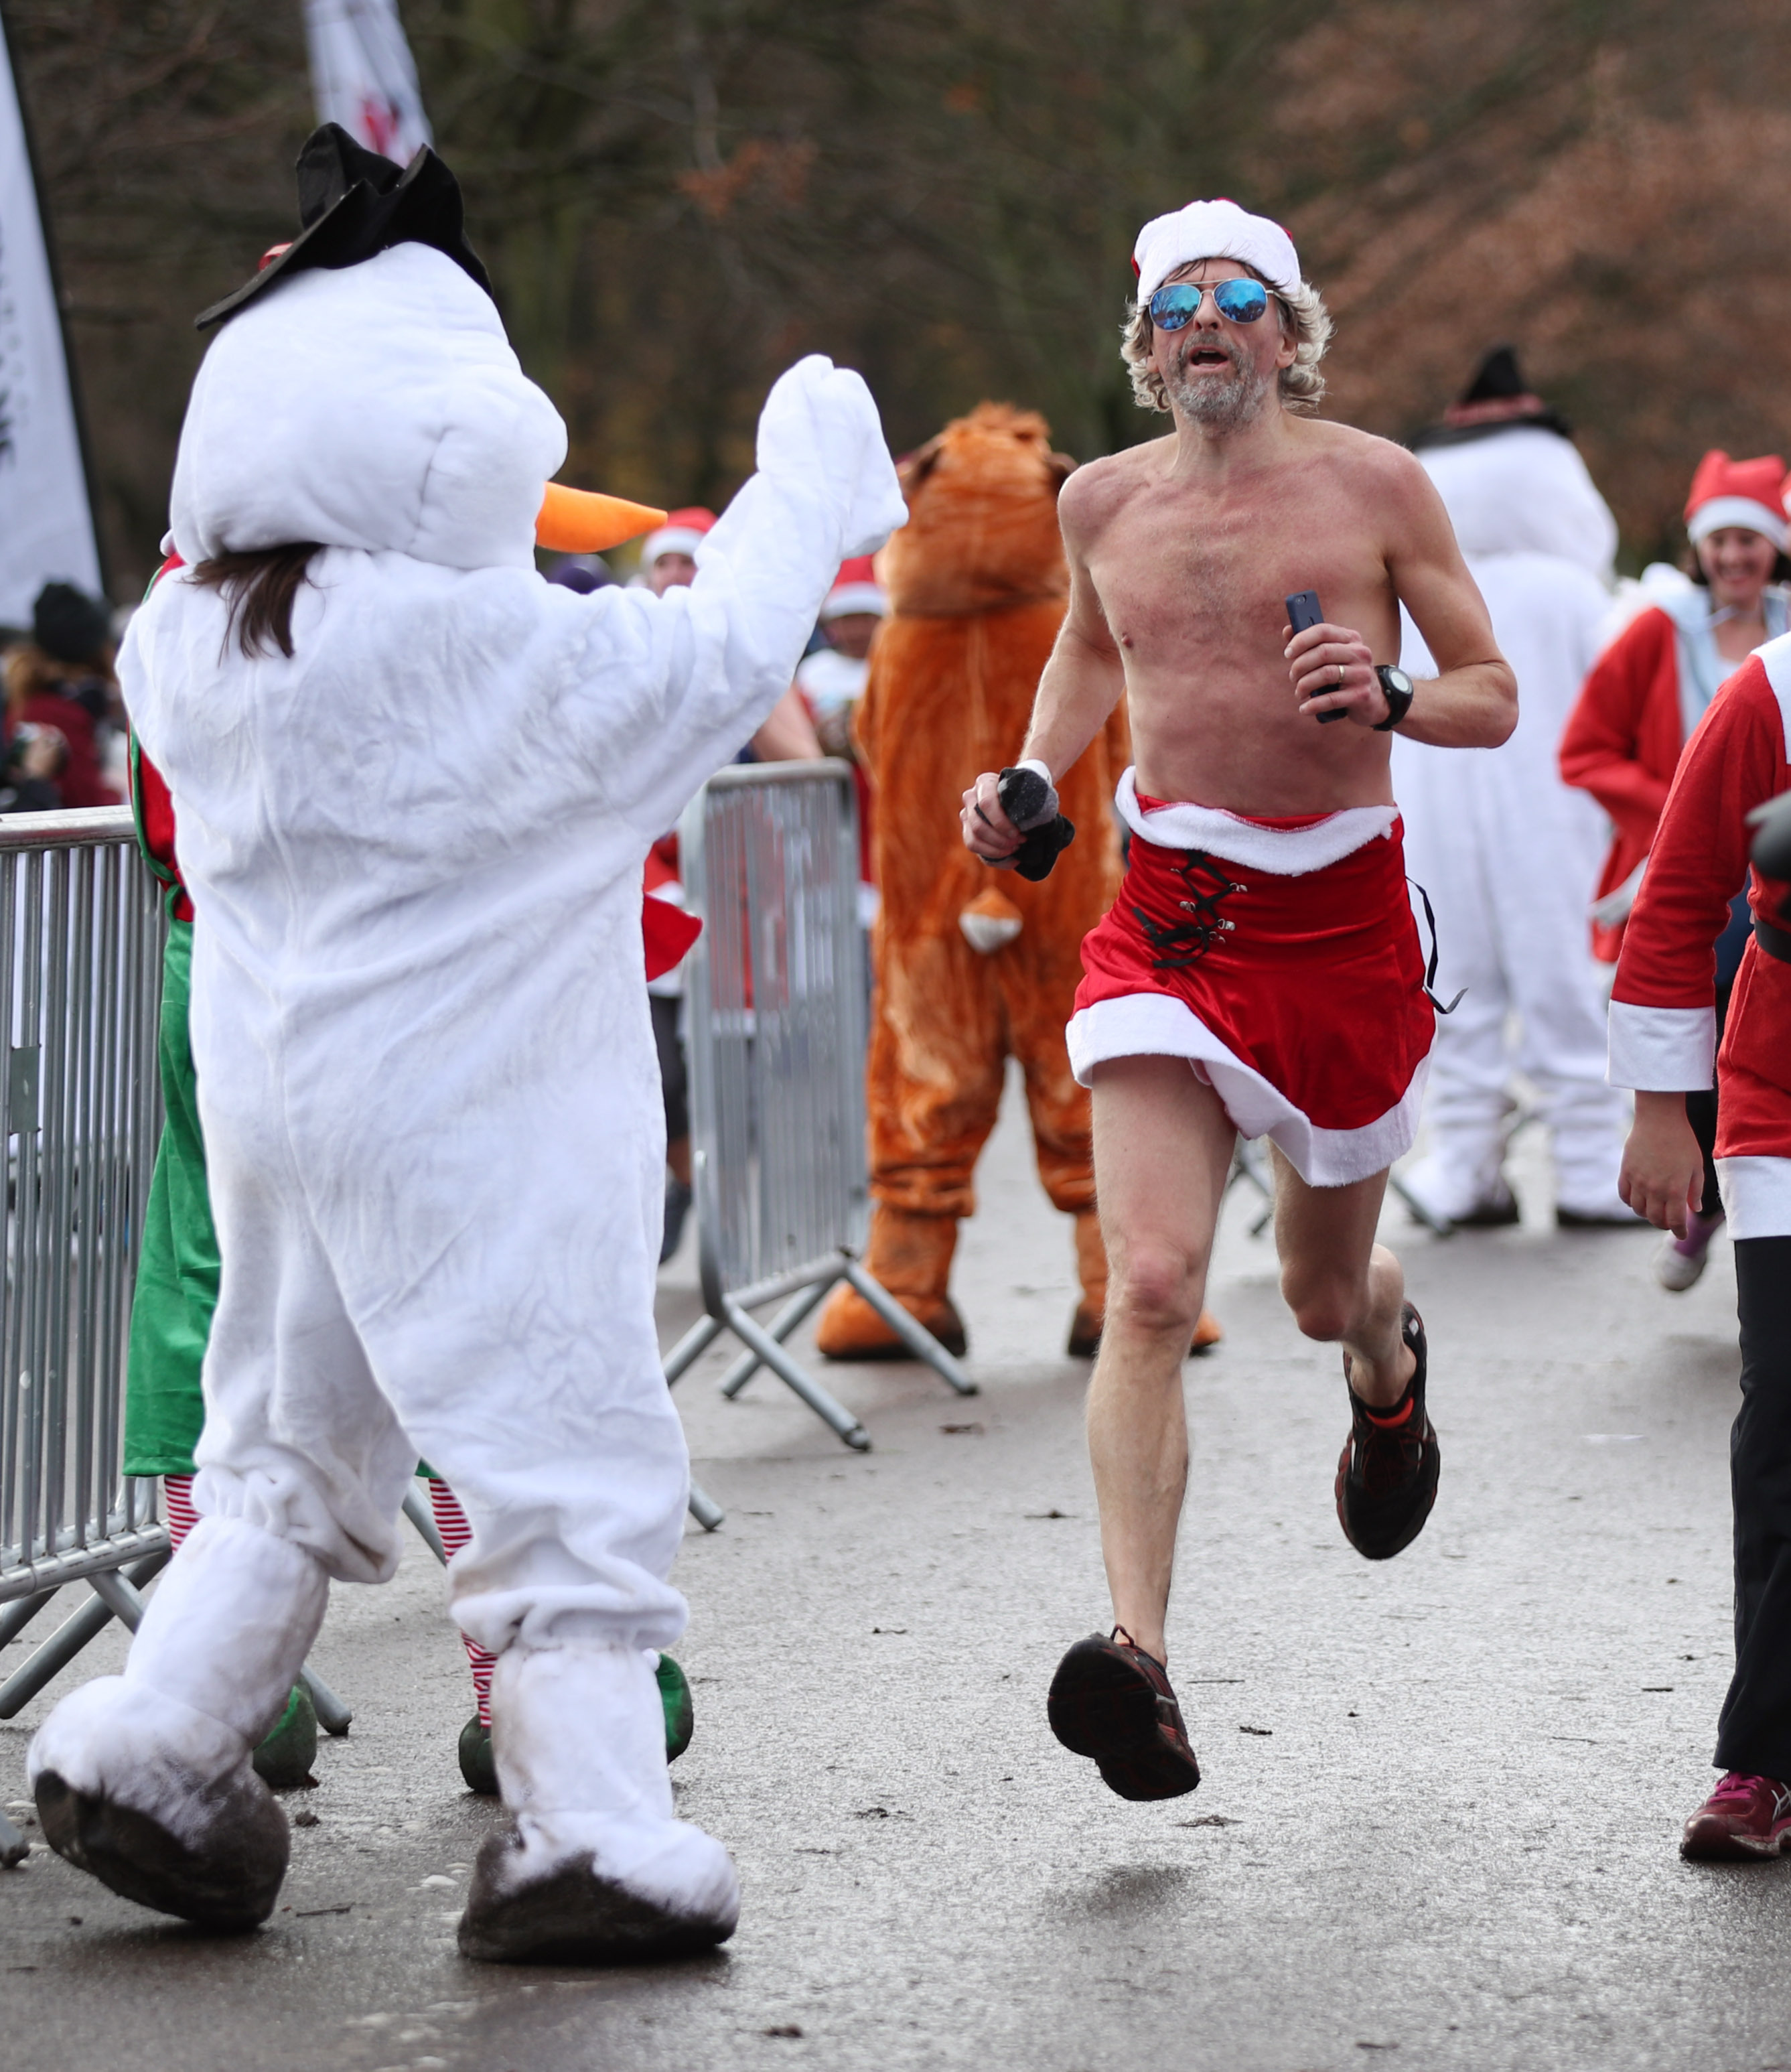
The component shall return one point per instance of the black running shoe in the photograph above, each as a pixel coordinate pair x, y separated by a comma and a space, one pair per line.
1112, 1701
1387, 1478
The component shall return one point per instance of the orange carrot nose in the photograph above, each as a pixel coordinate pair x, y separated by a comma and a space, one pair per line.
579, 521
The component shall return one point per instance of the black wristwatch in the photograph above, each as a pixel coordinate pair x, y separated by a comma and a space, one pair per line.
1397, 688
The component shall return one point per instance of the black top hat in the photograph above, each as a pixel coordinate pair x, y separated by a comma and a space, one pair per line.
1497, 380
353, 203
69, 625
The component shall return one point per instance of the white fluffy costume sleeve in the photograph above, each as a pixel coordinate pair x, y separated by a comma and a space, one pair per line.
426, 1072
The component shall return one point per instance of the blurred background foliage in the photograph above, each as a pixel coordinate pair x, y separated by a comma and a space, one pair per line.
678, 197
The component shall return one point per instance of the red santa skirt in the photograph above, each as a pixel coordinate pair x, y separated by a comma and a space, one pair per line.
1281, 959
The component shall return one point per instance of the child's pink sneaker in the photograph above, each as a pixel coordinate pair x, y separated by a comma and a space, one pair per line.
1744, 1817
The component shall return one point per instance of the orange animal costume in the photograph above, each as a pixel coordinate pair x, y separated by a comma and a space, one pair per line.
972, 967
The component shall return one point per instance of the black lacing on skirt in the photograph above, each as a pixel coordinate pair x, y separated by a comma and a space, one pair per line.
1179, 944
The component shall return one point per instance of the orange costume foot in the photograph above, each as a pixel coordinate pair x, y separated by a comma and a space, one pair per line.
910, 1256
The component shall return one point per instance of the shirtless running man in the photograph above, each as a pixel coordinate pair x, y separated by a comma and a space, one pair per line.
1264, 936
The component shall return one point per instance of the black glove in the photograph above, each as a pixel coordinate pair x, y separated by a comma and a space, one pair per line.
1030, 802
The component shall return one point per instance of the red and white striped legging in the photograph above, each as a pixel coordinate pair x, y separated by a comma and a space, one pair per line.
450, 1522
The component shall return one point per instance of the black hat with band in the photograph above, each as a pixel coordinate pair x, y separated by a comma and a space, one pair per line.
1495, 399
353, 203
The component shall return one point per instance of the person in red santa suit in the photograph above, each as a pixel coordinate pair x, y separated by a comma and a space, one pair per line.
1645, 694
1260, 973
1663, 1043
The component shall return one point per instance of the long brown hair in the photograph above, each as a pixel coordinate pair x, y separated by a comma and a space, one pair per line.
260, 588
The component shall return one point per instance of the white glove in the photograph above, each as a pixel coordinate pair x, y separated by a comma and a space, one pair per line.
819, 427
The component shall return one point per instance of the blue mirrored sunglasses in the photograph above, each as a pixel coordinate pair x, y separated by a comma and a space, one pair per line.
1244, 301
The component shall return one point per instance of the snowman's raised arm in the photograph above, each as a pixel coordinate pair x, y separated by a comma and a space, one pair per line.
698, 669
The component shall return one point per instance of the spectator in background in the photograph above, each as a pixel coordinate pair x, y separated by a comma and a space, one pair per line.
832, 678
668, 556
35, 757
1646, 694
832, 681
61, 679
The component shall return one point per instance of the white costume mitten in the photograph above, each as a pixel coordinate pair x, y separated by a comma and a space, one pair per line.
595, 1865
145, 1779
821, 426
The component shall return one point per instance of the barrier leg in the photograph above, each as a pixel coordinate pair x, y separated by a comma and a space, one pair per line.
704, 1508
119, 1597
13, 1622
418, 1513
691, 1347
56, 1654
773, 1356
333, 1716
914, 1334
805, 1301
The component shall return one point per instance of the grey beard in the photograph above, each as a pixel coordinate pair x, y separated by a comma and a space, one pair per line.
1221, 406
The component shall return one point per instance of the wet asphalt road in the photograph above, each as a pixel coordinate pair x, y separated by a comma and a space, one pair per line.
1442, 1795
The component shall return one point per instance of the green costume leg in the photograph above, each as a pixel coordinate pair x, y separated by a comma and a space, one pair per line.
177, 1273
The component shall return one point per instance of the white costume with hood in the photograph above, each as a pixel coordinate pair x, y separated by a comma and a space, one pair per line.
1510, 855
426, 1071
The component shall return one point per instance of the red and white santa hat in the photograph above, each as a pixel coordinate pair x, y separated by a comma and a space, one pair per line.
855, 588
1750, 493
680, 534
1214, 230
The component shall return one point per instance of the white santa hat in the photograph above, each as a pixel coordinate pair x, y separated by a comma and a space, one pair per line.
856, 589
681, 534
1214, 230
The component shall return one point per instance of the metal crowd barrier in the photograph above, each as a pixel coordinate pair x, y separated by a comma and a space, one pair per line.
81, 1113
775, 1024
80, 988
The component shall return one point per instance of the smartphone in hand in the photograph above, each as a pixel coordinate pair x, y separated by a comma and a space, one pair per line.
1305, 609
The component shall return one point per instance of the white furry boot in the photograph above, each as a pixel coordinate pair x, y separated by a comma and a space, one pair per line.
145, 1779
593, 1867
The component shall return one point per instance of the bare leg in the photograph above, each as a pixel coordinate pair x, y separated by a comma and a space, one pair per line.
1340, 1284
1163, 1148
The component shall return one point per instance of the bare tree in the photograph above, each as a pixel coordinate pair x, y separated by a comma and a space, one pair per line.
676, 197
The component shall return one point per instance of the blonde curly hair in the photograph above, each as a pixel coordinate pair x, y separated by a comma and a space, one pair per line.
1303, 313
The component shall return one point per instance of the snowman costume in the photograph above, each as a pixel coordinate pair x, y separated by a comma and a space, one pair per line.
427, 1083
1508, 853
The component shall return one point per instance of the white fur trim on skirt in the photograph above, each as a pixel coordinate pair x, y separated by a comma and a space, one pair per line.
1153, 1024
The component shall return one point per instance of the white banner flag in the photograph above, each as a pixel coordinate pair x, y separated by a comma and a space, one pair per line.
363, 77
46, 525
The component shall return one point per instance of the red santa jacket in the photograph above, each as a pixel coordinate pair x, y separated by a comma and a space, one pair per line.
1663, 1013
1622, 743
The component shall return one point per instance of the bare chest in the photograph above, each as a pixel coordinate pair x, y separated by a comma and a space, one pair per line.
1180, 578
